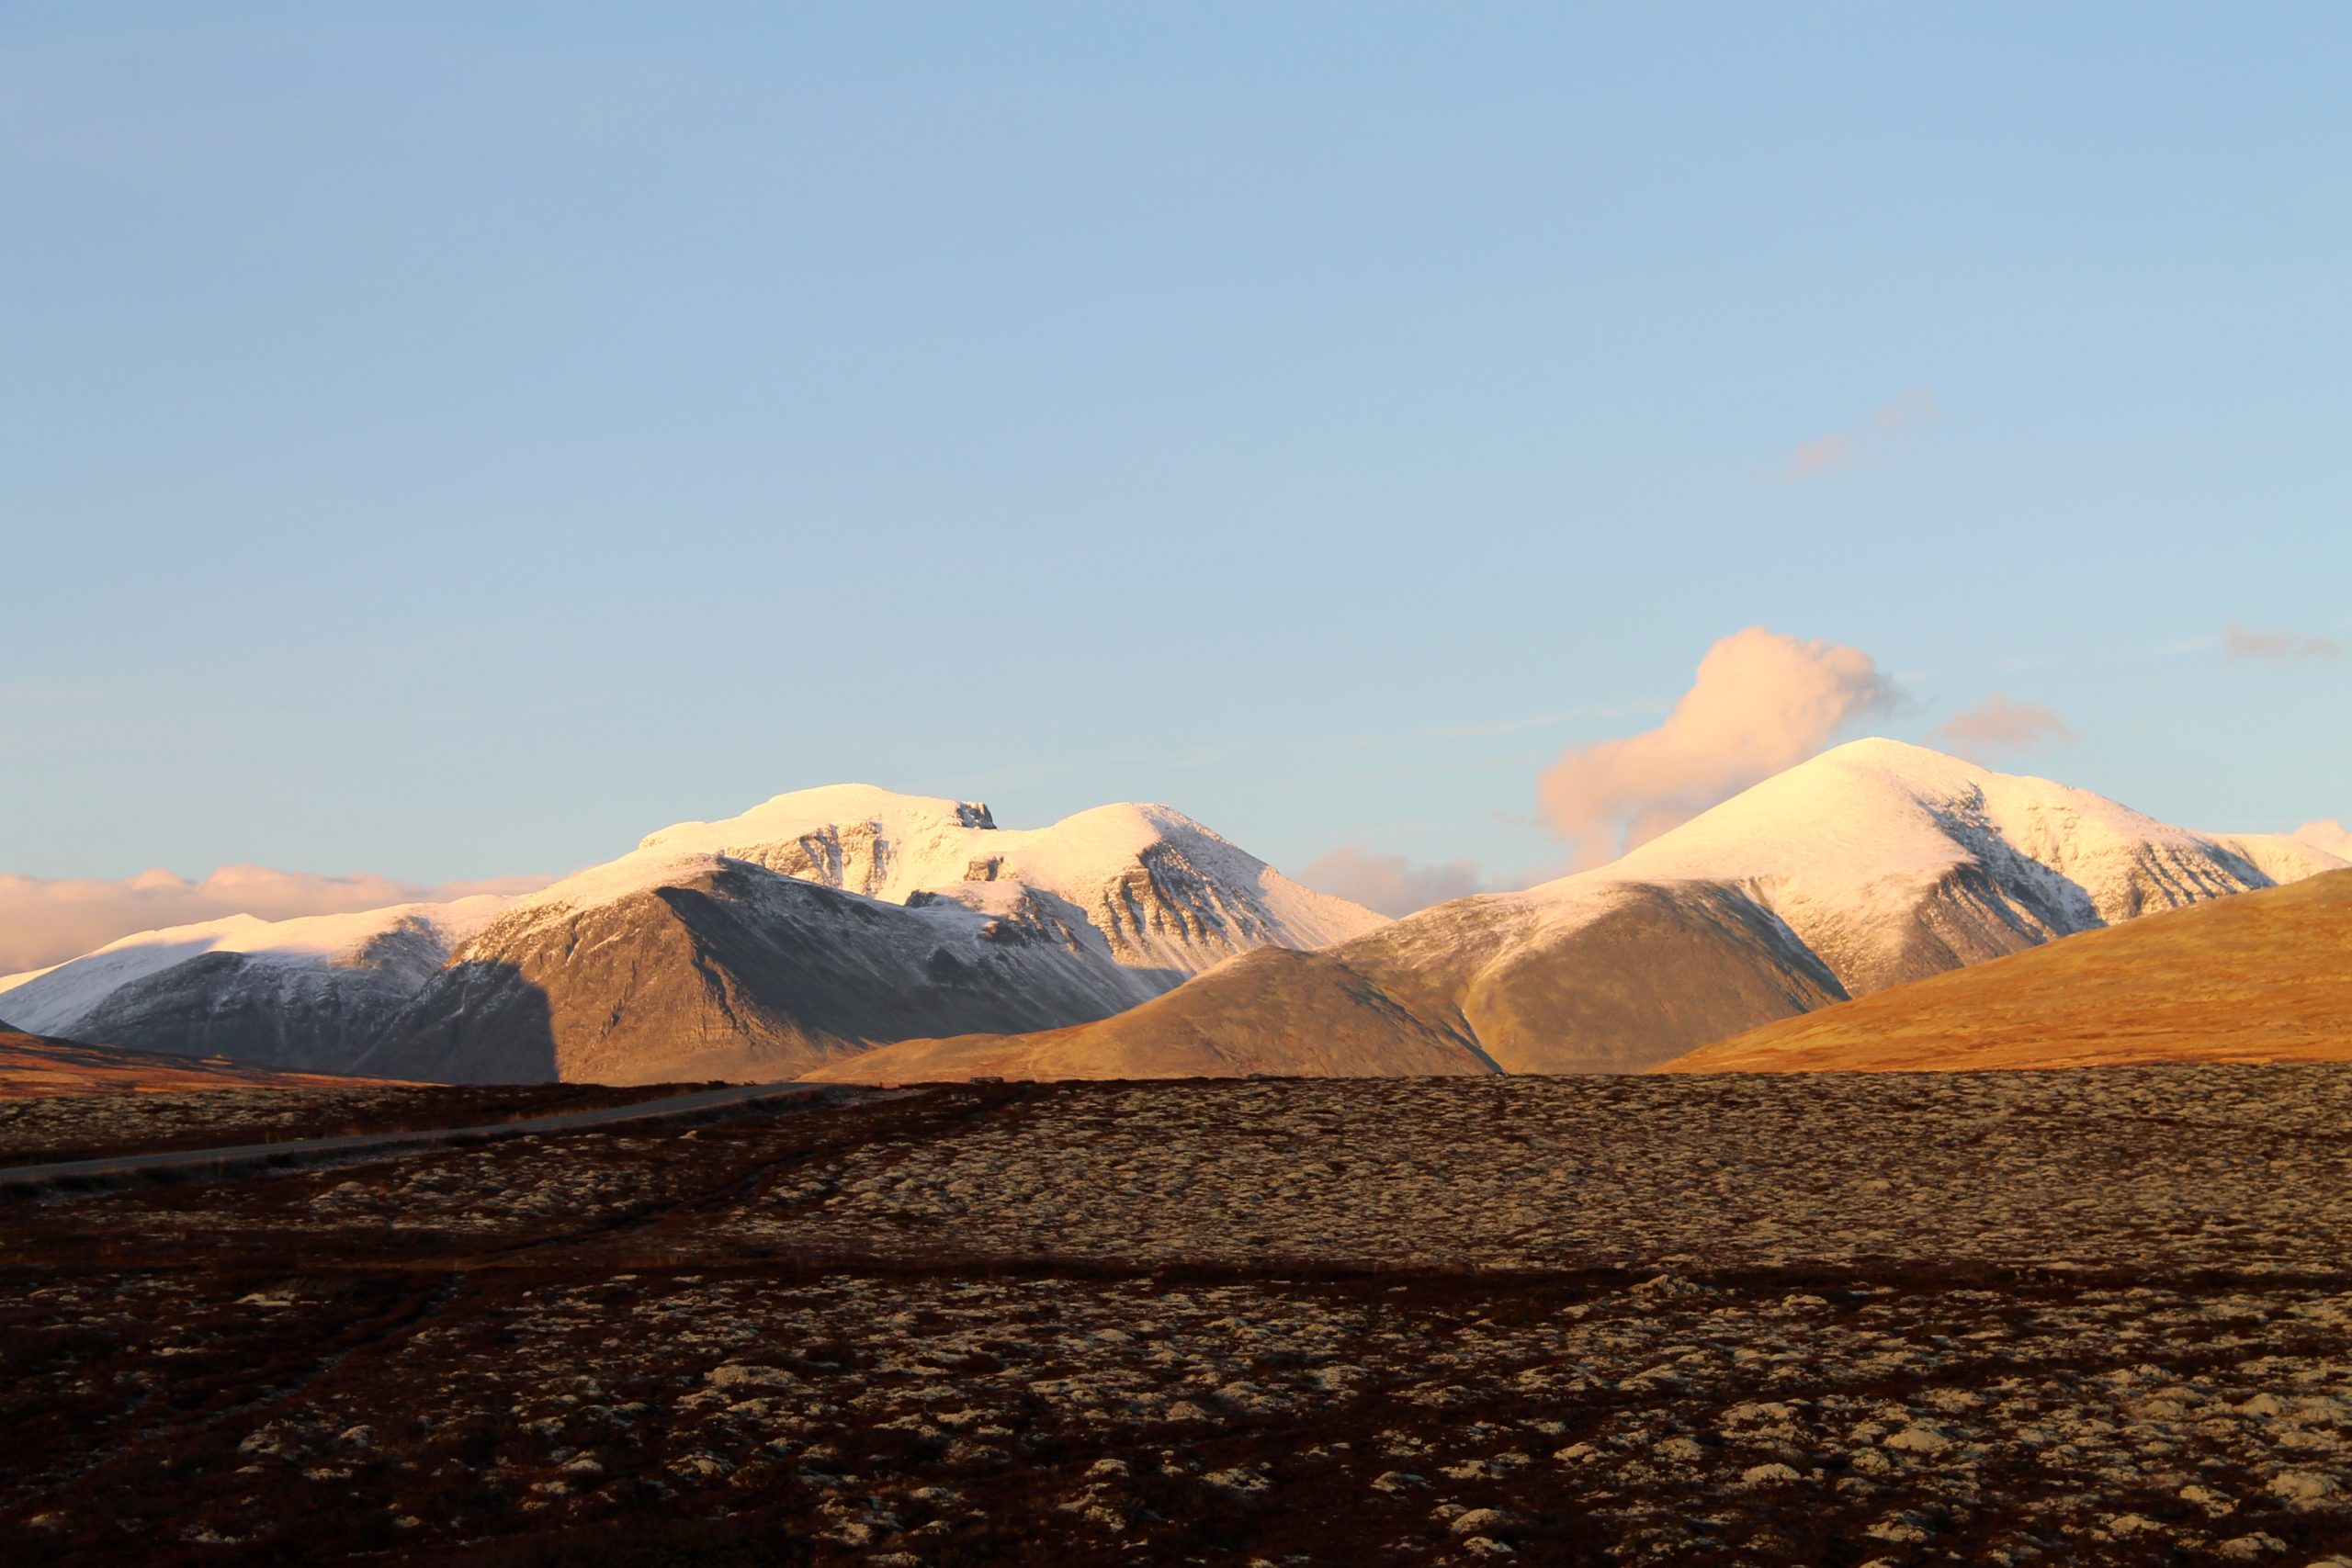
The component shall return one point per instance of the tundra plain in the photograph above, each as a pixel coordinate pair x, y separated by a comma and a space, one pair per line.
2099, 1316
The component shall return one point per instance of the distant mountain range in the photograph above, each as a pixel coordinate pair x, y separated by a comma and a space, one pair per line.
857, 934
804, 930
312, 993
1872, 864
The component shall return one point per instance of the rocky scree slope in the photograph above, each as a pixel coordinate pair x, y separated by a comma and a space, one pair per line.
1872, 864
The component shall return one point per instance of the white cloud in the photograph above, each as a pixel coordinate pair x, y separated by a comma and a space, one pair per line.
45, 921
1762, 702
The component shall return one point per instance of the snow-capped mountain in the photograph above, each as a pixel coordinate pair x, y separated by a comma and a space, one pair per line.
311, 992
803, 934
811, 927
1874, 863
1162, 891
824, 921
1893, 862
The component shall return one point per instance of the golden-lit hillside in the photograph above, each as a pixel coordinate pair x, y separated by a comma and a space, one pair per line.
2261, 978
34, 1067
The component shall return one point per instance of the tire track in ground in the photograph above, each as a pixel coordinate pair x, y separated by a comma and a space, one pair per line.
113, 1170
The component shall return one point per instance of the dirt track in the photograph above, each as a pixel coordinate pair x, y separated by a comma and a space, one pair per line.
114, 1169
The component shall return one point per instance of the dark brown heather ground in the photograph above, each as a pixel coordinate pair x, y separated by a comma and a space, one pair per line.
2094, 1317
38, 1130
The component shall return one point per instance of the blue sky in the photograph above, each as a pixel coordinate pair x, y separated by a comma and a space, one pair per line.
449, 441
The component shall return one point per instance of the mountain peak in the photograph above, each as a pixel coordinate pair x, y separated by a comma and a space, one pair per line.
1885, 752
799, 811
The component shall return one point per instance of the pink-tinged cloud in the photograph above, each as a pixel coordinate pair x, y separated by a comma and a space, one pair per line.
2000, 723
1762, 702
1886, 425
1906, 409
2241, 641
1833, 450
1391, 883
45, 921
2330, 835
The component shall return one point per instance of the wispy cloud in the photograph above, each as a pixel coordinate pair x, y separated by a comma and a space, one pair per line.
1839, 449
1830, 453
1761, 702
2001, 723
2241, 641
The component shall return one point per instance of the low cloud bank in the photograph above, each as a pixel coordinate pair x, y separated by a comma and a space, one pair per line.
1391, 883
2330, 835
1762, 702
2000, 723
45, 921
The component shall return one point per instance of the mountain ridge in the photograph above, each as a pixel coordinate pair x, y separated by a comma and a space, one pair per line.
814, 925
850, 931
1870, 864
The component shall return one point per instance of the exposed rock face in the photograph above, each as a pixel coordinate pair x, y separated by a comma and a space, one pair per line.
731, 970
872, 855
1871, 865
1163, 892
